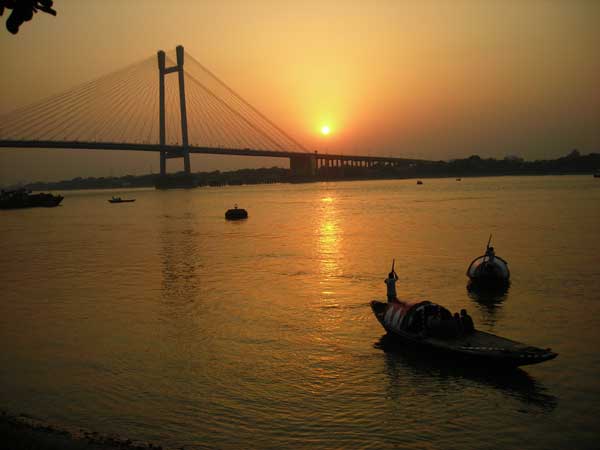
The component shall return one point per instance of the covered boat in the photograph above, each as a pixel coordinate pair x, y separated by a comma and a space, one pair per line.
489, 269
236, 213
22, 198
428, 325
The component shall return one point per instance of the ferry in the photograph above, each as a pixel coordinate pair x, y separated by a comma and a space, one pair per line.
432, 327
22, 198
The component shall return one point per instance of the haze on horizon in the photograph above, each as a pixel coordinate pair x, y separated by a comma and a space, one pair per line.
422, 79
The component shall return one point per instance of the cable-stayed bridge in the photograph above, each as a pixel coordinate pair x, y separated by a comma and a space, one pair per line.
185, 109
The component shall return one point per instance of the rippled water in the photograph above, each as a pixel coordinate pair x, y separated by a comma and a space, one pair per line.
158, 320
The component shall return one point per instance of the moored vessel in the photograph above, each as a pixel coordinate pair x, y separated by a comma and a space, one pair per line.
236, 213
22, 198
432, 327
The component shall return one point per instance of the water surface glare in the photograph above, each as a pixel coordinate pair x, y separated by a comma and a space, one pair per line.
158, 320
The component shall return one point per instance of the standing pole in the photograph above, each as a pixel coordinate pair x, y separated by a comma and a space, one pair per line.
161, 108
184, 130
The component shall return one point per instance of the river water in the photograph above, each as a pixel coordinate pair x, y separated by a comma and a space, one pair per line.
158, 320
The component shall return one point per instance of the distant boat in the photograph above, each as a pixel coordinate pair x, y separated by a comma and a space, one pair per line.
22, 198
489, 269
121, 200
419, 182
432, 327
459, 179
597, 175
236, 213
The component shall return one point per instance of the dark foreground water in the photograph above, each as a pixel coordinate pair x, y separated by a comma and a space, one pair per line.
157, 320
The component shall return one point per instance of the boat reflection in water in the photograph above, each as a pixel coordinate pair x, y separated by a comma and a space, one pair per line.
405, 364
489, 299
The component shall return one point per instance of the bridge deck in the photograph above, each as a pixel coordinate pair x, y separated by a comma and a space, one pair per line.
175, 150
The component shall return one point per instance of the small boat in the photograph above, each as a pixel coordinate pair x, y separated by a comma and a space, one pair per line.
121, 200
431, 326
459, 179
23, 198
597, 175
419, 182
489, 269
236, 213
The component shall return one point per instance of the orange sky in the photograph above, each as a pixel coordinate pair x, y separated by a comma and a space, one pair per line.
429, 79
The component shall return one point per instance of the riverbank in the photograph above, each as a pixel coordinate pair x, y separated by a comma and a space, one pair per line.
474, 166
21, 432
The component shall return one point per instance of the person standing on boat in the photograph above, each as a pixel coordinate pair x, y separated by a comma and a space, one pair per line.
390, 282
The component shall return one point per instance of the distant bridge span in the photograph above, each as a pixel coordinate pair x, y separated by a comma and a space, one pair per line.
301, 163
133, 109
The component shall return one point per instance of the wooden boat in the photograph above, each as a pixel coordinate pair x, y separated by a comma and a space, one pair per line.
236, 213
417, 324
489, 269
22, 198
419, 182
121, 200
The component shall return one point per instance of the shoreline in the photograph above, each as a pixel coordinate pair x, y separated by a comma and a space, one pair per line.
24, 432
56, 186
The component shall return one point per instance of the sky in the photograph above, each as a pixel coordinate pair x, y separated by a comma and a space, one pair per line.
419, 79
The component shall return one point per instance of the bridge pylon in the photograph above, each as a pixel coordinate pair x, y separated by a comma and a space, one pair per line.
185, 151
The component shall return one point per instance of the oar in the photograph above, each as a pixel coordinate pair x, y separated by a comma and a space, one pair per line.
487, 247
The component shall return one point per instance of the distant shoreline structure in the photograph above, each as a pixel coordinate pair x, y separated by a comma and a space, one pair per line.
474, 166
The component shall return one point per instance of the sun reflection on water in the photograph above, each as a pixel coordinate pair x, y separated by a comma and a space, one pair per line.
329, 238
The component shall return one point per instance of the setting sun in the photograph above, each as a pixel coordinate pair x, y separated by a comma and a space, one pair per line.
325, 130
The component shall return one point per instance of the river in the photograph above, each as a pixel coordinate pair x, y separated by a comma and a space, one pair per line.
160, 321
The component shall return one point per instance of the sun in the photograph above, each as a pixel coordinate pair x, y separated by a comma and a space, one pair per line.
325, 130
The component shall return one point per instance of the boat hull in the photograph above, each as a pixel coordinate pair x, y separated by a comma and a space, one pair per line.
477, 347
236, 214
489, 272
30, 201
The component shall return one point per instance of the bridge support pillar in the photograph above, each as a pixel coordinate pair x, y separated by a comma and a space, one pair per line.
303, 166
163, 163
184, 129
184, 151
161, 111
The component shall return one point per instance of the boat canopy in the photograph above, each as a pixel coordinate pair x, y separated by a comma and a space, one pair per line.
412, 317
486, 265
